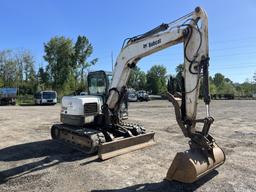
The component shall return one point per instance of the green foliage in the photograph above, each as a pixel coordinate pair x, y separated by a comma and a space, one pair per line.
28, 66
67, 63
43, 79
25, 99
1, 82
156, 79
27, 88
64, 73
218, 79
83, 50
245, 89
69, 86
67, 67
8, 67
219, 84
58, 53
137, 79
179, 70
226, 88
254, 78
213, 88
17, 70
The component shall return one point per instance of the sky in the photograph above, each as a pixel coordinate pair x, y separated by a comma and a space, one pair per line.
28, 24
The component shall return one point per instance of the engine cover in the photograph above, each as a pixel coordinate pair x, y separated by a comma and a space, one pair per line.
80, 110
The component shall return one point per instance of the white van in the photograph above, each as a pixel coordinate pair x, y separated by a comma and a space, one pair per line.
46, 97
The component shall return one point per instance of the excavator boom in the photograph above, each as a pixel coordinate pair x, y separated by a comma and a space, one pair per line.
204, 154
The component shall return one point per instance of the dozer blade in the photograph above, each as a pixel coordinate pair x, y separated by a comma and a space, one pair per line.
118, 147
194, 163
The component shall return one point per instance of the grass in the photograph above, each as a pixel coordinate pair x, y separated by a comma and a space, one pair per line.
25, 100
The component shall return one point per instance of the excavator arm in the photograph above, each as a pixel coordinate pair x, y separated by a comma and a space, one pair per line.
192, 31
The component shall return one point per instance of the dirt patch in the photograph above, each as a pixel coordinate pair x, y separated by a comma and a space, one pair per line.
30, 161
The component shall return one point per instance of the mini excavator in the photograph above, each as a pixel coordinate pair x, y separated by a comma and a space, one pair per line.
92, 122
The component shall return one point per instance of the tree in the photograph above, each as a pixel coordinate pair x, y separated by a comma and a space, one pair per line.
30, 84
9, 73
226, 88
1, 82
228, 80
17, 70
83, 50
69, 86
218, 79
212, 88
179, 70
67, 62
245, 89
137, 79
28, 66
59, 52
42, 78
156, 79
7, 68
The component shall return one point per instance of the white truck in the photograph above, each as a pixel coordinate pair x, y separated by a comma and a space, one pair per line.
45, 97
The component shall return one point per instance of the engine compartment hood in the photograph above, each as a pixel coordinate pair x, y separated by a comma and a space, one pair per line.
74, 105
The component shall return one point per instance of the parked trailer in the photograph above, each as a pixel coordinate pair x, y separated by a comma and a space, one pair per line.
8, 96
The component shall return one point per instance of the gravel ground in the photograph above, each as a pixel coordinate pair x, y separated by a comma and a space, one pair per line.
30, 161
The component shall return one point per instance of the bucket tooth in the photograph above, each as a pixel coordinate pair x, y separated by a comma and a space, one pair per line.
118, 147
189, 166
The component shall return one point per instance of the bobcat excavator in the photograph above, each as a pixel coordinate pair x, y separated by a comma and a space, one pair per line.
92, 122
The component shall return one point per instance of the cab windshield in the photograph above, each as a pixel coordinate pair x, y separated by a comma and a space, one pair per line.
49, 95
97, 84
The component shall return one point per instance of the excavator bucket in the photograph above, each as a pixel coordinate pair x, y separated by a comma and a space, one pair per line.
194, 163
125, 145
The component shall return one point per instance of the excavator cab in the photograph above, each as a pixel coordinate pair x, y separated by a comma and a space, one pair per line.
99, 84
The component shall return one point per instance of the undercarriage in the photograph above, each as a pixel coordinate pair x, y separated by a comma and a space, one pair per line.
108, 142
